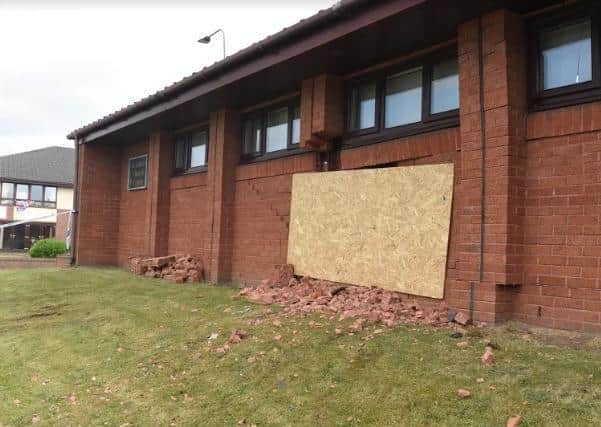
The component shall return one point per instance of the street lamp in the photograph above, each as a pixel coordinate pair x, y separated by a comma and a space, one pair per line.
207, 39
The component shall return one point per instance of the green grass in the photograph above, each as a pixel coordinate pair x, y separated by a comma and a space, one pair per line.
135, 352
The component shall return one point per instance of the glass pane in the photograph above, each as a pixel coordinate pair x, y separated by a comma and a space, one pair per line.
258, 131
363, 107
566, 55
403, 104
247, 145
296, 124
180, 153
198, 153
50, 194
8, 190
137, 173
37, 193
22, 192
277, 130
445, 87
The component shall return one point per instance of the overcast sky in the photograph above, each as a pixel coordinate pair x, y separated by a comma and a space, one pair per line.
64, 66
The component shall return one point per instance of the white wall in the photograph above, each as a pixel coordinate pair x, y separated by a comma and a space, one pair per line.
64, 199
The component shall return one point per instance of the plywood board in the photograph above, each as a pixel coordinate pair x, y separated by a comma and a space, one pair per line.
382, 227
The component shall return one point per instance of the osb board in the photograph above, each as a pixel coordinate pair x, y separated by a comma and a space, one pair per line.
383, 227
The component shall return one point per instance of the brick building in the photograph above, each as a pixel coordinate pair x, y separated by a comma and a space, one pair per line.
36, 195
509, 92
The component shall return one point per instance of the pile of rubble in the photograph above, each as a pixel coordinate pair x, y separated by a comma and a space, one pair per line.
176, 268
303, 295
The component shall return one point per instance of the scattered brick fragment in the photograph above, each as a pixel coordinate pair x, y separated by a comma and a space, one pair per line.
463, 319
237, 336
301, 295
488, 358
514, 421
463, 393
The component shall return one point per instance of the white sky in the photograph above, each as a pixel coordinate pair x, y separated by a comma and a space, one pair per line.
64, 66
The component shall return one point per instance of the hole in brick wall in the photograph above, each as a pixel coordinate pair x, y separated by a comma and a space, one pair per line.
540, 311
381, 166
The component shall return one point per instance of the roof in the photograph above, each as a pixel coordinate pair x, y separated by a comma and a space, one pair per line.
51, 165
299, 29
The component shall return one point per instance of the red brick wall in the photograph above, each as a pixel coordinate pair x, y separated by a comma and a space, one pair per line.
190, 216
262, 214
134, 212
99, 195
531, 183
562, 239
62, 221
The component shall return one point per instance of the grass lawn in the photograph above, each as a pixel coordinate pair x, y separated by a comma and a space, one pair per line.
101, 347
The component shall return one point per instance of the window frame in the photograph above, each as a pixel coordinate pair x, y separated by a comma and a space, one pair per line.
129, 161
429, 121
187, 133
33, 203
14, 193
578, 93
262, 114
50, 204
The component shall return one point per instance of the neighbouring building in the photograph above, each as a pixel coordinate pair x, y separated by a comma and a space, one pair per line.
508, 92
36, 195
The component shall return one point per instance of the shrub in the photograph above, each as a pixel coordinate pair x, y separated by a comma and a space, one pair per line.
47, 248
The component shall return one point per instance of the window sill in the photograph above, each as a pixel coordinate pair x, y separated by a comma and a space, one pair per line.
274, 155
192, 171
542, 103
138, 189
354, 140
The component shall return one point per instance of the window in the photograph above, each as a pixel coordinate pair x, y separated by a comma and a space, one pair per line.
363, 107
50, 197
565, 58
137, 176
22, 192
191, 151
444, 88
37, 195
252, 137
8, 193
277, 130
272, 130
296, 126
403, 101
565, 55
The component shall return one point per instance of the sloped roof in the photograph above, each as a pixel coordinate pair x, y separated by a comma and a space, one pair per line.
52, 165
299, 29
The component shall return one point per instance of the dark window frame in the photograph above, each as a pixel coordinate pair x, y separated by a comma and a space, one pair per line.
129, 162
188, 151
261, 114
33, 203
380, 132
579, 93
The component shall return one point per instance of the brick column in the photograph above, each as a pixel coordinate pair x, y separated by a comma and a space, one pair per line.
99, 197
224, 155
493, 124
160, 166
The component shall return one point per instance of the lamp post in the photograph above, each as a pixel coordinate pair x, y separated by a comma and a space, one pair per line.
207, 39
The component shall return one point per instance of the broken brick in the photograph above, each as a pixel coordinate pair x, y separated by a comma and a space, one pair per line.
463, 319
514, 421
488, 358
463, 393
